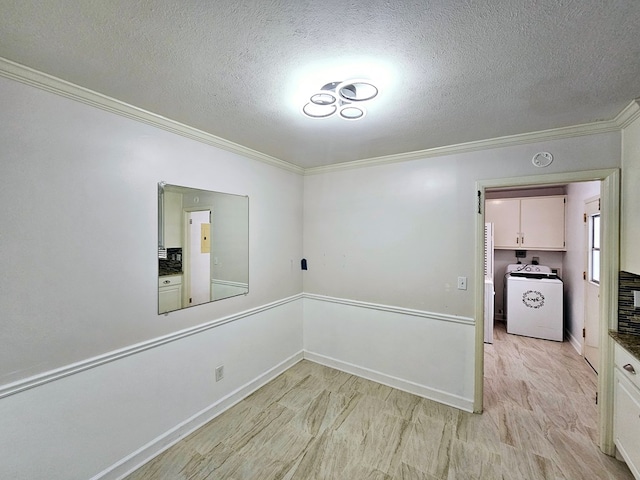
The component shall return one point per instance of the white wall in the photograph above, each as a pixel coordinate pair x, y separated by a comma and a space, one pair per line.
107, 420
630, 218
79, 234
574, 260
78, 238
419, 352
400, 235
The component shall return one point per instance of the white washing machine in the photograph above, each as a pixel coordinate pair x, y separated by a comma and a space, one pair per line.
534, 302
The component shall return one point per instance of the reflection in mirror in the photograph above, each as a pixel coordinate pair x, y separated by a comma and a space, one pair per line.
203, 246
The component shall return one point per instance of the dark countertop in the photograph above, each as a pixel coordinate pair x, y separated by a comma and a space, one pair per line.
165, 273
630, 342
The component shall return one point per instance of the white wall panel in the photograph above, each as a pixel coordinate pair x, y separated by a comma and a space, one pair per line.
414, 351
400, 234
79, 235
84, 424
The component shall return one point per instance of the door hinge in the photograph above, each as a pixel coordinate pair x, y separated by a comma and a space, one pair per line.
596, 398
598, 204
191, 221
584, 215
584, 275
479, 202
191, 299
584, 332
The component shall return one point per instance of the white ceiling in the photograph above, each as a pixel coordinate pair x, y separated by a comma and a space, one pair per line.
449, 71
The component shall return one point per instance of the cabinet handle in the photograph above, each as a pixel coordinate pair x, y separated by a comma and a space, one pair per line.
523, 239
629, 368
517, 240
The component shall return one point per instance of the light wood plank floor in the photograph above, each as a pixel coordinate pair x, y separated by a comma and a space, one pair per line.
314, 422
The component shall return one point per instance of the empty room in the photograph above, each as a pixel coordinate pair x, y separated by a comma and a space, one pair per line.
319, 240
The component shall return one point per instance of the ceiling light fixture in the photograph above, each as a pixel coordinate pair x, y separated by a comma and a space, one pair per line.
345, 98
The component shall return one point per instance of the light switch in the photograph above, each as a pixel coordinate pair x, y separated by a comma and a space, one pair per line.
636, 299
462, 283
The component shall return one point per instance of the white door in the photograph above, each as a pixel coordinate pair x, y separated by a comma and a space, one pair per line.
592, 283
199, 260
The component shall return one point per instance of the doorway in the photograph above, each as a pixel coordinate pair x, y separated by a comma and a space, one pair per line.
197, 267
608, 282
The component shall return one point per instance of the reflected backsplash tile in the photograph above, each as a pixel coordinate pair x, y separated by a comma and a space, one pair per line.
628, 315
171, 265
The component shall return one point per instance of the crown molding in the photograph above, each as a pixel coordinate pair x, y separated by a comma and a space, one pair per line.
49, 83
593, 128
43, 81
629, 114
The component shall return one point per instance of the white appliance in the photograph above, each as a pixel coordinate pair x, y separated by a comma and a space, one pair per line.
489, 291
534, 302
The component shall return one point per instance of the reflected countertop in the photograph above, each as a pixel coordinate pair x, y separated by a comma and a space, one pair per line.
630, 342
165, 273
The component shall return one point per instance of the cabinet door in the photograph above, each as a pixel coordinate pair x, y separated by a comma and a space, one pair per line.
627, 423
542, 223
505, 216
169, 298
173, 219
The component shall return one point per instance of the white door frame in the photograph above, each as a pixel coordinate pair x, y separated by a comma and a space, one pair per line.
609, 268
186, 269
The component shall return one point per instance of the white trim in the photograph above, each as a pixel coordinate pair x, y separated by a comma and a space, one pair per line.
155, 447
456, 401
574, 342
229, 283
49, 83
67, 370
388, 308
629, 114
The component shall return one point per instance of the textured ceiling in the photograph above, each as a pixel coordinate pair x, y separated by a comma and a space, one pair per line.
449, 71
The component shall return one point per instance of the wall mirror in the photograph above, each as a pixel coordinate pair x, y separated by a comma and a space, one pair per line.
203, 246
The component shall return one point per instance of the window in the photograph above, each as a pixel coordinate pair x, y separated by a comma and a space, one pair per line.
594, 248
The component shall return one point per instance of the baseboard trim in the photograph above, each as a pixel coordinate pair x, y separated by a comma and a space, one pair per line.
574, 342
389, 308
72, 369
158, 445
456, 401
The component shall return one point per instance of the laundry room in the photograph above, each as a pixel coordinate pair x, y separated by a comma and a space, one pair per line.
544, 237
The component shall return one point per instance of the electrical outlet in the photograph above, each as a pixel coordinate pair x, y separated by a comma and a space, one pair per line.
462, 283
219, 373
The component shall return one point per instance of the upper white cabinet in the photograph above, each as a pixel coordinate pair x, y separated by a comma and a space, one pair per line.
173, 219
533, 223
629, 218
